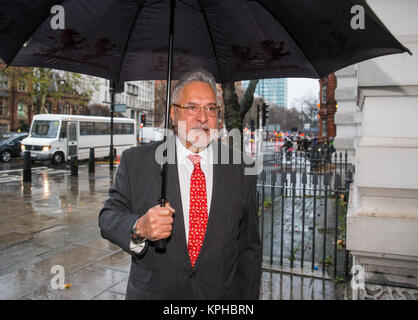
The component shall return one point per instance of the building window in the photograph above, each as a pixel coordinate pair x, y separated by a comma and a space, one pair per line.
21, 85
3, 129
48, 106
4, 81
22, 109
67, 109
4, 106
324, 93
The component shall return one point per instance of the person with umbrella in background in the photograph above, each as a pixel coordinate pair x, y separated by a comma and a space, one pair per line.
329, 149
210, 224
315, 154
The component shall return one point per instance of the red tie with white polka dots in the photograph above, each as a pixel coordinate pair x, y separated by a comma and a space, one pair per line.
198, 214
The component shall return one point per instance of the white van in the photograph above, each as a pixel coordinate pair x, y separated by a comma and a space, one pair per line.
57, 137
150, 134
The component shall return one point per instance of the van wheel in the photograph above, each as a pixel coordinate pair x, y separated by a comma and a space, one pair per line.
58, 158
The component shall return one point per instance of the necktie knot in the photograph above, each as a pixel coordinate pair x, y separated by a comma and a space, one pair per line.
195, 159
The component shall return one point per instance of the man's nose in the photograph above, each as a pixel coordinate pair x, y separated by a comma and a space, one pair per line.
202, 116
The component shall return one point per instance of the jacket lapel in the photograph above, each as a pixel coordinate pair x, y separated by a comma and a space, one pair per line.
178, 236
220, 179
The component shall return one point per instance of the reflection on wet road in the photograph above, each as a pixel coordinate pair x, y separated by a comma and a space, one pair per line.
53, 220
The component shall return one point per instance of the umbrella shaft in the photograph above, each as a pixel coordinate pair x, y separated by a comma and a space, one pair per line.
168, 92
161, 244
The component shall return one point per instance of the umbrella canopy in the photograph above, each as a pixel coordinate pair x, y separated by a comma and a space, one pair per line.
127, 40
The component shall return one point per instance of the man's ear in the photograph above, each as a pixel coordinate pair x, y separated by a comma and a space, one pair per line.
221, 121
172, 116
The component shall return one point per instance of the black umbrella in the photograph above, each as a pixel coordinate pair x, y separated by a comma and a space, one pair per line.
236, 40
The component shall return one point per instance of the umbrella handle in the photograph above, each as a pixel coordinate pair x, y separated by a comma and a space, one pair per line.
161, 245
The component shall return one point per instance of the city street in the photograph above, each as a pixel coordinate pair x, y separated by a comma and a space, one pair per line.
322, 97
53, 221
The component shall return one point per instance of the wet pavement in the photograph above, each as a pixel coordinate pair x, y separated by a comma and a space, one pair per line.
53, 221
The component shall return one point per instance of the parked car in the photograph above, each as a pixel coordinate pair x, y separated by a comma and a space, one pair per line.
10, 145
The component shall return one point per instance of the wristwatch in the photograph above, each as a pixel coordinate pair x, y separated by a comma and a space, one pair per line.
135, 237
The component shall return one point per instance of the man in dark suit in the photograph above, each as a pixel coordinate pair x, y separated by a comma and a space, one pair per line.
210, 222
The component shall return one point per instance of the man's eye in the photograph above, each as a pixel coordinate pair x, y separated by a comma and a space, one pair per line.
213, 109
192, 108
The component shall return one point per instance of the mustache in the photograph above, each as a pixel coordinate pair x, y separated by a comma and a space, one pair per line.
202, 127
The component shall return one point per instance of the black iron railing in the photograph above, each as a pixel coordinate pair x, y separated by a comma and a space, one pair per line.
302, 201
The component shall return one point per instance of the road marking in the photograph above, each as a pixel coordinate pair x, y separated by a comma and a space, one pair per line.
10, 179
16, 175
106, 166
20, 170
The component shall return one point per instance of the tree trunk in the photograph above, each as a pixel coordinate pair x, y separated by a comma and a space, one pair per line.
232, 107
234, 110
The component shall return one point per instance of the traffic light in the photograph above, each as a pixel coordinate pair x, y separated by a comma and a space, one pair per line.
143, 119
264, 115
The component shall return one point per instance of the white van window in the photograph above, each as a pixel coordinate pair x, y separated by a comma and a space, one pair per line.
44, 129
87, 128
102, 128
63, 132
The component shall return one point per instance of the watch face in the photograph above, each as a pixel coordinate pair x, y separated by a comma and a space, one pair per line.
135, 237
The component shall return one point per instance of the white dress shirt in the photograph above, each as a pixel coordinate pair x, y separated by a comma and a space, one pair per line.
185, 169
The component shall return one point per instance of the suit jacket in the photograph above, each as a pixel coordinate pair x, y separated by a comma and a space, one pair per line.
229, 262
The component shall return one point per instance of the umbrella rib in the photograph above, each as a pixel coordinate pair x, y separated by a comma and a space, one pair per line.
290, 35
211, 40
125, 50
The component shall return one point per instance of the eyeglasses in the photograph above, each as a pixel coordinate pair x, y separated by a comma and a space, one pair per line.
192, 109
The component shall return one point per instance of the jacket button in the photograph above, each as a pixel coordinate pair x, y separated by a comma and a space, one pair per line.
192, 274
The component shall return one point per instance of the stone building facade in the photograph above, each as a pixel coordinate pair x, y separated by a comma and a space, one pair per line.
377, 123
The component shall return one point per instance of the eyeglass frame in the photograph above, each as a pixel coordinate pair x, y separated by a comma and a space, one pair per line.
185, 107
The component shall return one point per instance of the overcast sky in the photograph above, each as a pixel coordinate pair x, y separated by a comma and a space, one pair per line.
298, 87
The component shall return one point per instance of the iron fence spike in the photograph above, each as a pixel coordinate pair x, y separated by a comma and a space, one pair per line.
326, 179
304, 178
337, 180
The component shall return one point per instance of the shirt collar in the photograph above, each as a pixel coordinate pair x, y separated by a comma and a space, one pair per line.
183, 153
